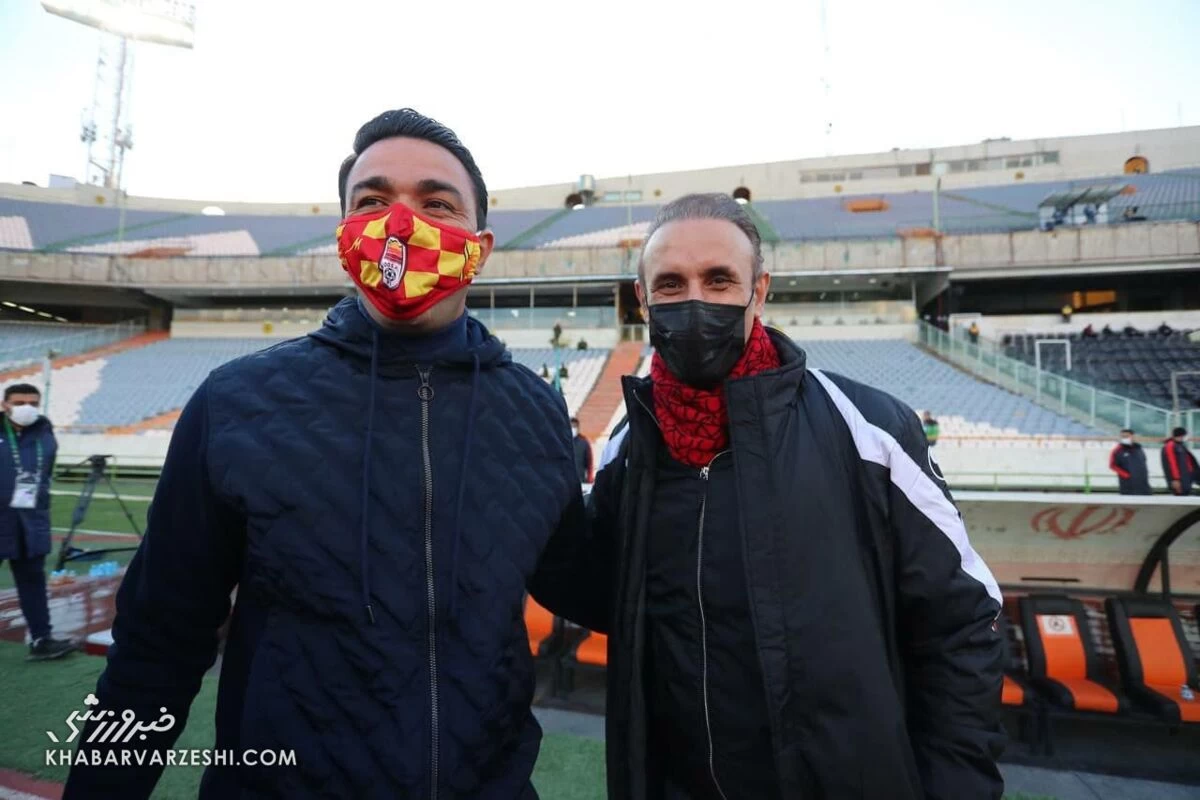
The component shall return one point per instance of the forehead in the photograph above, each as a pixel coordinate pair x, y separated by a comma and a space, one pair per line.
406, 161
23, 397
693, 245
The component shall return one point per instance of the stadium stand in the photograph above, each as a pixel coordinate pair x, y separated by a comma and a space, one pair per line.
26, 224
22, 343
14, 234
17, 334
962, 404
126, 388
153, 380
1137, 366
589, 220
583, 370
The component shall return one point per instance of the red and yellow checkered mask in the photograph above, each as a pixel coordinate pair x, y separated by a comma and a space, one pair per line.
405, 263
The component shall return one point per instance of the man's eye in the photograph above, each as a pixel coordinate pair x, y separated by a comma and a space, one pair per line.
370, 201
440, 204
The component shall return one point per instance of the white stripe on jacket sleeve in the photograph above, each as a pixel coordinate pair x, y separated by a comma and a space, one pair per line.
878, 446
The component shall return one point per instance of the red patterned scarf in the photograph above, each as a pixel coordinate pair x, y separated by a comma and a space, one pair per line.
695, 422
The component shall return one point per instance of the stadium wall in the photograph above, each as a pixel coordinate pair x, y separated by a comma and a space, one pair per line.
1166, 245
1002, 462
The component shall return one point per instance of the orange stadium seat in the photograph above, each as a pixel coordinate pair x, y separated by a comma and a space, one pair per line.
1062, 656
544, 628
593, 650
1016, 690
588, 651
1157, 665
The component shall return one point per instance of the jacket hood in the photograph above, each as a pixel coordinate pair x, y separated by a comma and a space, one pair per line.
351, 330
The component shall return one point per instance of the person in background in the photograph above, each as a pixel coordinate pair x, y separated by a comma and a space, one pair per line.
1066, 312
1089, 331
1165, 330
973, 332
932, 430
1128, 460
1178, 463
25, 475
583, 452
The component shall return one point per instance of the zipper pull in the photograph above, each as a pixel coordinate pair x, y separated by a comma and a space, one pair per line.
704, 473
425, 390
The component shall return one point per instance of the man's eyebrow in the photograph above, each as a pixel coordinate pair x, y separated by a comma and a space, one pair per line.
664, 274
376, 183
433, 186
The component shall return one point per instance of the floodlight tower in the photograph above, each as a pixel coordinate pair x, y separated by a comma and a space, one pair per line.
827, 78
105, 125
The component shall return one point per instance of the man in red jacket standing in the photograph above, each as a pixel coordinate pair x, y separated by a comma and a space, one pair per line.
1178, 463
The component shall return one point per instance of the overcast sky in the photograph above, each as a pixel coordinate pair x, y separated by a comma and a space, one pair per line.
266, 105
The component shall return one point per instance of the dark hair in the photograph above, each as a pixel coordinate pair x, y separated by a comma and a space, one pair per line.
405, 122
575, 420
707, 206
21, 388
1126, 430
1179, 432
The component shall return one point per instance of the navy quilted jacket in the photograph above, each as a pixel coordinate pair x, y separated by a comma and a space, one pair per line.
26, 533
381, 520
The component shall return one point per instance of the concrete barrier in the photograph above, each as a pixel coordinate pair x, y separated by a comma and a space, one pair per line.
1068, 542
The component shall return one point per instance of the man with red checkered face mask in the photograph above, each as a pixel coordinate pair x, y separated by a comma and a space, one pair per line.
382, 493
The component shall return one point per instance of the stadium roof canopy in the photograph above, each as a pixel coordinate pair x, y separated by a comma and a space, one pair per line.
1096, 195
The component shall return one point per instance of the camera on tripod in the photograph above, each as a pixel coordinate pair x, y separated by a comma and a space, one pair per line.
97, 473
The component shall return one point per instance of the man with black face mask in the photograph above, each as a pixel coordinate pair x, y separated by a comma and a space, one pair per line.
797, 611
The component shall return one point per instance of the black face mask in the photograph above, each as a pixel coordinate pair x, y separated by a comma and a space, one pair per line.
698, 341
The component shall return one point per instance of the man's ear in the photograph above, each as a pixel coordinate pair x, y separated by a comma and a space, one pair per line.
762, 287
487, 241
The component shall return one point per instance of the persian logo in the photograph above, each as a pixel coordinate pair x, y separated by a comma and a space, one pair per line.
112, 728
393, 262
1068, 524
1056, 624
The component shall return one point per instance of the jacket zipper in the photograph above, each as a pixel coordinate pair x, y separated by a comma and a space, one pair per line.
712, 769
425, 393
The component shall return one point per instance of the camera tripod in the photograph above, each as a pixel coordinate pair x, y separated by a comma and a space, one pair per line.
67, 552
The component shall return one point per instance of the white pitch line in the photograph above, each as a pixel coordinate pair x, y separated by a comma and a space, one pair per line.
96, 533
134, 498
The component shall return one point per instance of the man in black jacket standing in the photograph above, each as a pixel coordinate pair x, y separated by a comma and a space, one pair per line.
797, 610
583, 453
1128, 460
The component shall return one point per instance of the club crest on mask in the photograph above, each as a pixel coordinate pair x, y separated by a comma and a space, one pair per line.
393, 262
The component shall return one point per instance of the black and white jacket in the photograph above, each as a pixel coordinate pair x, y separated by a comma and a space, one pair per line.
873, 616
